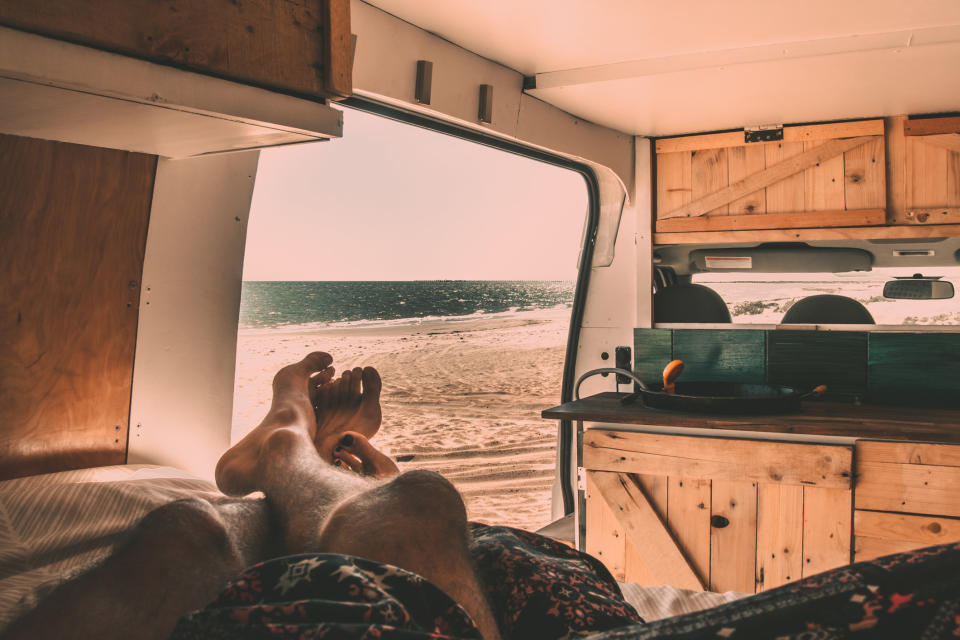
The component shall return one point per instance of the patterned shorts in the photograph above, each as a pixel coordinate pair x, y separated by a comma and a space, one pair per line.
537, 587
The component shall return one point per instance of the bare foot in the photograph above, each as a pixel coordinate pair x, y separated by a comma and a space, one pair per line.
291, 408
355, 452
351, 403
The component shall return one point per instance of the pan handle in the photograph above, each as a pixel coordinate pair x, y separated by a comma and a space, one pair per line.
593, 372
815, 392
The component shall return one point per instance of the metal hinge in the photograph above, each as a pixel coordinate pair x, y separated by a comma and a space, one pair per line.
581, 479
763, 133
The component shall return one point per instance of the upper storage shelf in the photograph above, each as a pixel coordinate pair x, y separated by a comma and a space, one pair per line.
859, 179
174, 78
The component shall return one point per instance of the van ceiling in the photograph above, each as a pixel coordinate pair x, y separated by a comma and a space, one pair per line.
686, 66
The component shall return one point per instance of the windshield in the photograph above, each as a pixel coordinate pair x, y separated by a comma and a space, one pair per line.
764, 298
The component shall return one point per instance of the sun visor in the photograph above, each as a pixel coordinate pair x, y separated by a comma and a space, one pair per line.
780, 259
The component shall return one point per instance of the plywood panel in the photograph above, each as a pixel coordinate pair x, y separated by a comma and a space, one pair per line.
73, 225
827, 523
953, 178
743, 161
733, 536
804, 464
879, 534
605, 539
710, 174
300, 47
779, 535
823, 183
674, 180
652, 350
926, 174
895, 151
689, 519
864, 177
787, 195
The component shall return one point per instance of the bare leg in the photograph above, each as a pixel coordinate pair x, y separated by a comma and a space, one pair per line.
416, 521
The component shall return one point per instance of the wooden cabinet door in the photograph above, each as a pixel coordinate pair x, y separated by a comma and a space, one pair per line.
829, 175
716, 513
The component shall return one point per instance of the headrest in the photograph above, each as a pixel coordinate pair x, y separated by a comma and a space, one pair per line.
827, 309
689, 303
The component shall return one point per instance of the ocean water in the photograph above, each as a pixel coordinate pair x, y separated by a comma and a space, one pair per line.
271, 305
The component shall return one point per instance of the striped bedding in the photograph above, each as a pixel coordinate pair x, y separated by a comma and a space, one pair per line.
54, 526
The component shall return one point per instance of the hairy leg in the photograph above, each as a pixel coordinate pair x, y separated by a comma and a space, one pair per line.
417, 521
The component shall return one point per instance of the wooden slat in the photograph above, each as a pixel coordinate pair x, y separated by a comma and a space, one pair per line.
916, 368
652, 350
949, 141
804, 235
935, 215
710, 173
774, 173
796, 463
645, 530
733, 547
689, 521
823, 182
953, 180
931, 126
879, 534
674, 180
827, 515
779, 535
812, 219
297, 47
895, 149
926, 174
943, 455
784, 195
864, 178
712, 354
807, 359
791, 133
655, 490
604, 537
742, 162
73, 225
908, 488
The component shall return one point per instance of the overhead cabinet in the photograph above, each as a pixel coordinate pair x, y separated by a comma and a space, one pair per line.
857, 179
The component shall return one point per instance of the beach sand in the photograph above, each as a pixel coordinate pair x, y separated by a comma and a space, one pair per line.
462, 398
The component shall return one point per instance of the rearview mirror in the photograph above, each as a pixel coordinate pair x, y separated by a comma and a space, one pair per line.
918, 288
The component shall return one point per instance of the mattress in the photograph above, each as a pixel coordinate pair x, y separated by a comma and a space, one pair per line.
56, 525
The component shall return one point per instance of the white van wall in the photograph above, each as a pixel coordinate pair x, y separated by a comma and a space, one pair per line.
182, 398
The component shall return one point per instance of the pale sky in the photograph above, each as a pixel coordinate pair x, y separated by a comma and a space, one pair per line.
390, 201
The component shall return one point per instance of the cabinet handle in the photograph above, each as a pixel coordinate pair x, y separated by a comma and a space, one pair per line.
719, 522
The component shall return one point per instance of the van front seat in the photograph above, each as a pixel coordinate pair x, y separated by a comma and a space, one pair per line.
689, 303
827, 309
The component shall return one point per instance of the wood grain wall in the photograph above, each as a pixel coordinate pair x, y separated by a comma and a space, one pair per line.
73, 224
301, 47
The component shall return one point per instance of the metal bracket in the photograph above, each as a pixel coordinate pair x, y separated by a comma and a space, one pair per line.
763, 133
581, 479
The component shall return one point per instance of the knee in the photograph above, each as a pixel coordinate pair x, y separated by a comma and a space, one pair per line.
428, 497
195, 527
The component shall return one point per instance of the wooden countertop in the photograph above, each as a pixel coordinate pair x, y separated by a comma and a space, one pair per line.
816, 418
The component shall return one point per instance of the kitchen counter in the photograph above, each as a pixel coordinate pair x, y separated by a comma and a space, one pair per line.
815, 418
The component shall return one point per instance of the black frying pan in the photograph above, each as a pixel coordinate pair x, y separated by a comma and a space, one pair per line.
713, 397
